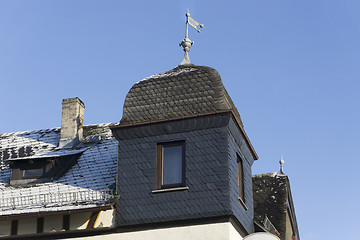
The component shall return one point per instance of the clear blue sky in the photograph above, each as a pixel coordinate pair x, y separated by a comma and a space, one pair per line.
291, 68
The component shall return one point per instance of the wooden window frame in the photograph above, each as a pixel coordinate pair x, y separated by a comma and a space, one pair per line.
240, 175
160, 155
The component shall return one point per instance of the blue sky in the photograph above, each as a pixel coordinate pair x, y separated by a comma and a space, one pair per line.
291, 68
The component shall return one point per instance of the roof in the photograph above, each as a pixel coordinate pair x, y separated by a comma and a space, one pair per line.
180, 92
272, 199
80, 187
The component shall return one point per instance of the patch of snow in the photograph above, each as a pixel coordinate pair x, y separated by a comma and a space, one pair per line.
169, 74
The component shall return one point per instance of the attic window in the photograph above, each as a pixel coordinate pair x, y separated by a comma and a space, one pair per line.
30, 173
39, 169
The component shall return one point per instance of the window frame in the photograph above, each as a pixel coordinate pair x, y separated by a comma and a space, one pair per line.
240, 177
160, 160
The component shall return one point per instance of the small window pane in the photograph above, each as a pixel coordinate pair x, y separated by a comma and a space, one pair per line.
172, 165
33, 172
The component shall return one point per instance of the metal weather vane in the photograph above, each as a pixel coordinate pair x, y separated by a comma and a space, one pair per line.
186, 42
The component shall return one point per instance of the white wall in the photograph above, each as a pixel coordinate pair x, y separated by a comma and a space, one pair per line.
27, 226
79, 220
54, 221
216, 231
105, 219
5, 227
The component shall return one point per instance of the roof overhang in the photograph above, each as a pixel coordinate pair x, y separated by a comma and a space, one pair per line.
57, 212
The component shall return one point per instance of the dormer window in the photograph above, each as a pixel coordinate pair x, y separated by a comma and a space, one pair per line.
43, 168
170, 162
31, 173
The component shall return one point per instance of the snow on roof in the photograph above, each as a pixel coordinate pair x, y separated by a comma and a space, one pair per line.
170, 73
93, 172
52, 154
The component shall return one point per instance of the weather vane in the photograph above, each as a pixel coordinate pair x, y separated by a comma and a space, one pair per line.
186, 42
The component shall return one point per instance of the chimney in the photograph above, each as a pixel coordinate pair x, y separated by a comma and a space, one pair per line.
71, 122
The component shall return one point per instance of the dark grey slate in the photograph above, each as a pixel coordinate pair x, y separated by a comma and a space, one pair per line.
270, 196
180, 92
137, 178
236, 145
211, 174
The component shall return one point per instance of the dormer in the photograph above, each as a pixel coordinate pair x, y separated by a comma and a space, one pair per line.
50, 164
42, 168
183, 153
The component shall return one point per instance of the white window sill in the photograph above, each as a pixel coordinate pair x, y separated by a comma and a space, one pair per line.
170, 189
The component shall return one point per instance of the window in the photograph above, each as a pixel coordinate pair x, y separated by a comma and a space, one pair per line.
170, 165
31, 173
240, 171
66, 222
40, 225
14, 227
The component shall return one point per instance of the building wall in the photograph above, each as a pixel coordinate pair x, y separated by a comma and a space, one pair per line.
105, 219
289, 231
215, 231
206, 176
78, 221
53, 222
27, 226
237, 145
5, 227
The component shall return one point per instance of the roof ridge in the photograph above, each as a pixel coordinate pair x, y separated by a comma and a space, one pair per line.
28, 131
51, 129
271, 174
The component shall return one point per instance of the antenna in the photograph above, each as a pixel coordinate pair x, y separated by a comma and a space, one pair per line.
186, 42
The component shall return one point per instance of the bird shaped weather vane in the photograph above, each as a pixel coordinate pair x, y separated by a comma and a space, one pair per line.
186, 42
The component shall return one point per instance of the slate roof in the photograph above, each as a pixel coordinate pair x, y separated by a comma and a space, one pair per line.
270, 194
180, 92
94, 171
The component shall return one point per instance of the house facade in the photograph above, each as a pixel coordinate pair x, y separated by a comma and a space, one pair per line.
177, 166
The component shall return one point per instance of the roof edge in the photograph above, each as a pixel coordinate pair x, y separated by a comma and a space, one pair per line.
235, 118
56, 212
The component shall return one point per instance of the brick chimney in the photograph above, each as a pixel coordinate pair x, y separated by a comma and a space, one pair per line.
71, 122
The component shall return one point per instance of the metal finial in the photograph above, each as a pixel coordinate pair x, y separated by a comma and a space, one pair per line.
186, 42
282, 165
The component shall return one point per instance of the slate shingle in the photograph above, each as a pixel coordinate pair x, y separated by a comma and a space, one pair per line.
270, 195
182, 91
